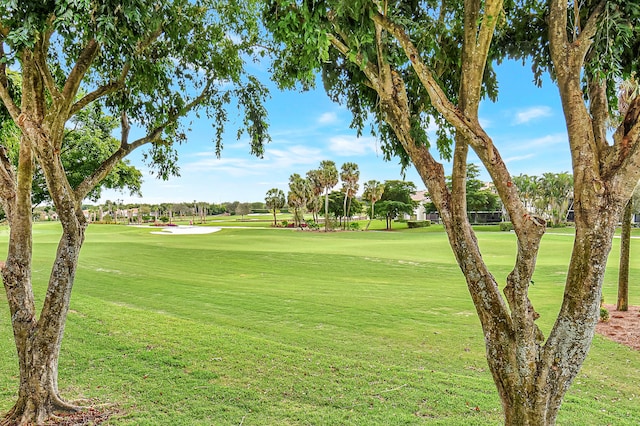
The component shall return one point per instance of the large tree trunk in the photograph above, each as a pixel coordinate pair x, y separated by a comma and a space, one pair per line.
531, 375
625, 246
38, 340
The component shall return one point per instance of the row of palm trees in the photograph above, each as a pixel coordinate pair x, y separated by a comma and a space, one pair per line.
306, 193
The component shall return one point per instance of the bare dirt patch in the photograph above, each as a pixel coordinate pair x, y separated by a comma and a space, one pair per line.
623, 326
88, 417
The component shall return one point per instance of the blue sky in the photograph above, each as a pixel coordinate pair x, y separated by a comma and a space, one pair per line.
526, 124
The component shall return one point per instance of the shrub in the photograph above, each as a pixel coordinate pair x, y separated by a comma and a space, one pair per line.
164, 219
604, 314
418, 223
506, 226
311, 224
354, 226
559, 225
285, 223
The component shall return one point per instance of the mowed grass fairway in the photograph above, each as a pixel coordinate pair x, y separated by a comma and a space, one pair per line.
281, 327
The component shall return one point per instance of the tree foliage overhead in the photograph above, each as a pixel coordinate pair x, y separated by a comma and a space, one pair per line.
86, 144
153, 61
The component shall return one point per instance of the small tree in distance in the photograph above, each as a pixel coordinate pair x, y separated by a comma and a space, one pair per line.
316, 189
373, 190
299, 194
243, 209
396, 200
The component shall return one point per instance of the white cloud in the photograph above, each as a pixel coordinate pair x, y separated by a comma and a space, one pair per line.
532, 113
518, 158
297, 154
328, 118
485, 123
344, 145
544, 141
235, 167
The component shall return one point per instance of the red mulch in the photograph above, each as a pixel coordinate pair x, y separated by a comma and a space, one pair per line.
623, 326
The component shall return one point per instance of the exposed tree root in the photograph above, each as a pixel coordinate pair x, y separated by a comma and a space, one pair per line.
64, 414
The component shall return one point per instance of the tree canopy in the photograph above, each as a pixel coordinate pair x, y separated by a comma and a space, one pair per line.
396, 200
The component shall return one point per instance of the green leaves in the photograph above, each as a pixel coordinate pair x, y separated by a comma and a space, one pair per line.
156, 61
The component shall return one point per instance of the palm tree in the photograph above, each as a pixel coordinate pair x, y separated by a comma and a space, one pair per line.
315, 186
529, 190
556, 190
373, 191
328, 175
349, 176
299, 193
274, 201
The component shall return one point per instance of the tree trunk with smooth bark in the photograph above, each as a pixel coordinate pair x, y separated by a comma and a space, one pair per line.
625, 246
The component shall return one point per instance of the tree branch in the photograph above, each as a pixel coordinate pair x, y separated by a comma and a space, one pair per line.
626, 140
558, 41
79, 70
40, 55
113, 86
369, 70
471, 129
492, 9
7, 182
584, 41
106, 89
11, 106
83, 189
599, 109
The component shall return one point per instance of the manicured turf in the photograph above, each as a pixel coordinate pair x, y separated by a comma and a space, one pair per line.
279, 327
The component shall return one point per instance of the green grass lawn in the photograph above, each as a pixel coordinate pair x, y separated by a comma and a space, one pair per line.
279, 327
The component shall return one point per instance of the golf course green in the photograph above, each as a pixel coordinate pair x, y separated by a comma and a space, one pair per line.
286, 327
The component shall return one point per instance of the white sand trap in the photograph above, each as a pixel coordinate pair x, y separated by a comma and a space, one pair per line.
187, 230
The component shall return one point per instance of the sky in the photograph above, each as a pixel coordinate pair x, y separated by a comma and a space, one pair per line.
526, 124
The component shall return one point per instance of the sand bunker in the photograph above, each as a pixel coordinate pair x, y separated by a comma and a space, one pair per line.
186, 230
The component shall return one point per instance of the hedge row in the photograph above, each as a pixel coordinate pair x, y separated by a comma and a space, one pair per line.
418, 223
